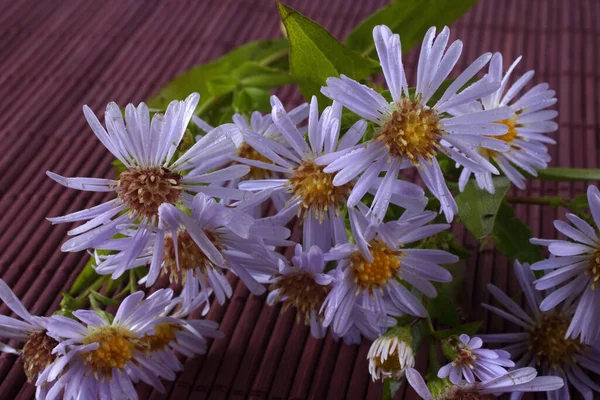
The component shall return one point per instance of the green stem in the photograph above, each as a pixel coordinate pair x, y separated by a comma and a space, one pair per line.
553, 201
81, 300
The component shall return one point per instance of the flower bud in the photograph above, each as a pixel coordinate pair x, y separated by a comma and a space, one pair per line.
391, 354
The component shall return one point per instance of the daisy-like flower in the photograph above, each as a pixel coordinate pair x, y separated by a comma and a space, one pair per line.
186, 336
544, 343
304, 285
152, 176
575, 271
371, 272
101, 359
311, 192
196, 249
470, 360
410, 132
527, 126
37, 348
518, 381
391, 354
261, 125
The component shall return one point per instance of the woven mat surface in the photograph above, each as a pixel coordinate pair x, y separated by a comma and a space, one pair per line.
56, 56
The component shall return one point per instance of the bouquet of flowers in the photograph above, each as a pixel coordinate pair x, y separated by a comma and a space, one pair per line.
211, 186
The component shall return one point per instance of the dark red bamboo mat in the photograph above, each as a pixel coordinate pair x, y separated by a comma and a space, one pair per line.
56, 56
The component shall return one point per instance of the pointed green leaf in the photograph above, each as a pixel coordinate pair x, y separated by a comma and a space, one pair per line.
410, 19
316, 55
218, 77
511, 237
477, 208
469, 329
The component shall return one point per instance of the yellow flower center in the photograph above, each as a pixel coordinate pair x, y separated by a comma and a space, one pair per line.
191, 257
144, 190
413, 131
164, 334
37, 354
248, 152
547, 340
594, 268
315, 187
301, 292
374, 275
116, 348
508, 137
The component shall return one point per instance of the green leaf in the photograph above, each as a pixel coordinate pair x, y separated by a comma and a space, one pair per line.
419, 332
410, 19
469, 329
511, 237
316, 55
253, 74
224, 75
390, 387
477, 208
247, 100
569, 174
442, 308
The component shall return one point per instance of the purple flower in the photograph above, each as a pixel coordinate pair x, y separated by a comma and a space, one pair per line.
575, 271
304, 188
517, 381
409, 132
543, 342
153, 176
527, 126
371, 272
472, 361
197, 249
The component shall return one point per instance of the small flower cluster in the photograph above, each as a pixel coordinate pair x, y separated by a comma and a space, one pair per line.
194, 216
91, 357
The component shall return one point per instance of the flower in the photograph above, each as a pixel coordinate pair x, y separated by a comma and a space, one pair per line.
261, 125
196, 249
470, 360
391, 354
409, 132
576, 271
527, 126
544, 343
37, 347
101, 359
152, 176
518, 381
371, 272
304, 285
187, 336
309, 191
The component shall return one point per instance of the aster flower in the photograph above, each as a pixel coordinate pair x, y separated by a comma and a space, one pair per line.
409, 132
196, 249
186, 336
544, 343
37, 348
527, 126
101, 359
152, 176
517, 381
371, 272
470, 361
391, 354
304, 285
575, 271
310, 192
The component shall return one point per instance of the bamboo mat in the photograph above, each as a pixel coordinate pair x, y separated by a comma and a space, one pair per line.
56, 56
